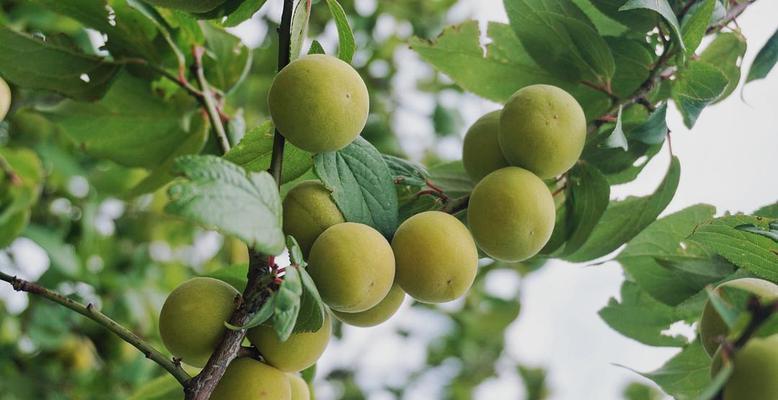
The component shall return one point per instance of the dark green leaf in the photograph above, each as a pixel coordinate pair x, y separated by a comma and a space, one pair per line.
695, 23
686, 375
287, 303
312, 312
624, 219
224, 196
654, 130
634, 60
256, 148
589, 196
697, 85
316, 48
718, 382
765, 59
361, 185
661, 7
771, 232
244, 12
346, 42
235, 275
35, 64
263, 314
726, 53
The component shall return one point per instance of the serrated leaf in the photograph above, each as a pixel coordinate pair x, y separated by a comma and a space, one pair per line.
695, 23
771, 232
256, 148
346, 43
661, 7
754, 253
697, 85
496, 75
300, 17
35, 64
295, 252
589, 196
641, 317
684, 376
726, 53
633, 60
260, 316
624, 219
406, 172
361, 185
561, 39
765, 60
287, 303
224, 196
244, 12
617, 139
654, 130
769, 211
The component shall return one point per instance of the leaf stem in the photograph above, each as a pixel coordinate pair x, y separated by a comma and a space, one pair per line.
89, 311
209, 101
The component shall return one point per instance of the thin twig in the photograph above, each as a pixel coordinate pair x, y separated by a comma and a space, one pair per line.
732, 13
179, 79
89, 311
9, 172
209, 101
456, 205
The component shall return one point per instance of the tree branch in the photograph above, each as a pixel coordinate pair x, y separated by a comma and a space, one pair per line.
209, 101
732, 13
89, 311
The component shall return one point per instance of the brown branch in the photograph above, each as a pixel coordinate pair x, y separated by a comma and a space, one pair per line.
456, 205
732, 13
89, 311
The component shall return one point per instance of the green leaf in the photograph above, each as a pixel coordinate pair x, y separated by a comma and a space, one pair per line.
771, 232
451, 178
754, 253
457, 52
256, 148
316, 48
164, 387
361, 185
287, 303
260, 316
295, 252
406, 172
235, 275
765, 59
227, 60
640, 317
661, 7
639, 391
617, 139
624, 219
726, 311
312, 311
654, 130
634, 60
224, 196
589, 196
19, 195
300, 17
662, 239
695, 23
696, 86
639, 21
718, 382
561, 39
36, 64
130, 125
346, 43
726, 53
770, 211
244, 12
686, 375
62, 255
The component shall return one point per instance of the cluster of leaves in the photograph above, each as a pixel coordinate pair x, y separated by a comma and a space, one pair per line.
120, 108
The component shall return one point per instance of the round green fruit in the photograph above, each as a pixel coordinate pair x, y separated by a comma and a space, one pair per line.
5, 99
712, 327
755, 368
193, 6
378, 314
309, 211
191, 322
481, 152
319, 103
297, 353
353, 267
542, 129
300, 390
436, 257
247, 379
511, 214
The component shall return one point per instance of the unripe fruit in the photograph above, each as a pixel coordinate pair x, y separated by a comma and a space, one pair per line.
378, 314
194, 6
542, 129
300, 390
712, 327
353, 267
319, 103
309, 211
191, 322
436, 257
481, 152
755, 371
247, 379
297, 353
5, 99
511, 214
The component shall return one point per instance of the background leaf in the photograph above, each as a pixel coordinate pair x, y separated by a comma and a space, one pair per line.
698, 85
346, 43
255, 150
765, 60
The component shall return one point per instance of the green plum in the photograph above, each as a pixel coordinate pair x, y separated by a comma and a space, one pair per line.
511, 214
247, 379
481, 152
193, 6
542, 129
191, 322
309, 211
298, 352
436, 256
300, 390
712, 327
353, 267
5, 99
379, 313
319, 103
755, 370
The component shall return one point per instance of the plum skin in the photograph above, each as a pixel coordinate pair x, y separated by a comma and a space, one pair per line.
481, 152
298, 352
308, 210
248, 379
378, 314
